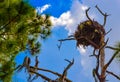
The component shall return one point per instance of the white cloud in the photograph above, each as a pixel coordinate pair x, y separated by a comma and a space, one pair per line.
72, 18
70, 21
43, 8
64, 20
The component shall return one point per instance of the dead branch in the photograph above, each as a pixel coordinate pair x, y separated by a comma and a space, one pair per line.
26, 64
49, 71
94, 54
104, 14
46, 70
111, 59
61, 40
116, 76
88, 15
42, 76
96, 70
108, 31
59, 46
94, 75
112, 48
66, 39
70, 36
67, 68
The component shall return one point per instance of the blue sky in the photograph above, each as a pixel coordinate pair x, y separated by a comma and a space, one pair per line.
66, 15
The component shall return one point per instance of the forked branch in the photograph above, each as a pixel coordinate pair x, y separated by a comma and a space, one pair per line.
104, 14
67, 68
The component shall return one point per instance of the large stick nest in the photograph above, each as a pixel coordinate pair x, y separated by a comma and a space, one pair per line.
89, 33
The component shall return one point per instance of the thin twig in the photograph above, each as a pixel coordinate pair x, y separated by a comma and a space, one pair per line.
116, 76
112, 48
94, 75
88, 15
66, 39
59, 46
108, 31
67, 68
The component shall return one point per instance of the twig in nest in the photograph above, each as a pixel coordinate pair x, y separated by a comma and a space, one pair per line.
104, 14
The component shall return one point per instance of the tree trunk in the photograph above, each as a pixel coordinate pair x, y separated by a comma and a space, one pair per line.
102, 60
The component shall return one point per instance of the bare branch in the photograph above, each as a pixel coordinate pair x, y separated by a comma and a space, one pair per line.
70, 36
49, 71
94, 75
68, 67
59, 46
61, 40
94, 54
116, 76
88, 15
104, 14
111, 59
66, 39
42, 76
112, 48
26, 64
108, 31
46, 70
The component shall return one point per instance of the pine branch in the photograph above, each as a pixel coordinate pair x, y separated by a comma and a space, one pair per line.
10, 21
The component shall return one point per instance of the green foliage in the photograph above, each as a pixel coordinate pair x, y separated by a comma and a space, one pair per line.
117, 46
20, 27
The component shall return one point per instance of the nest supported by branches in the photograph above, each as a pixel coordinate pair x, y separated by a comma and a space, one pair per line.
89, 33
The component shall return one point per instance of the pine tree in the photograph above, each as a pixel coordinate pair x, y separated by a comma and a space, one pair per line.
20, 28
